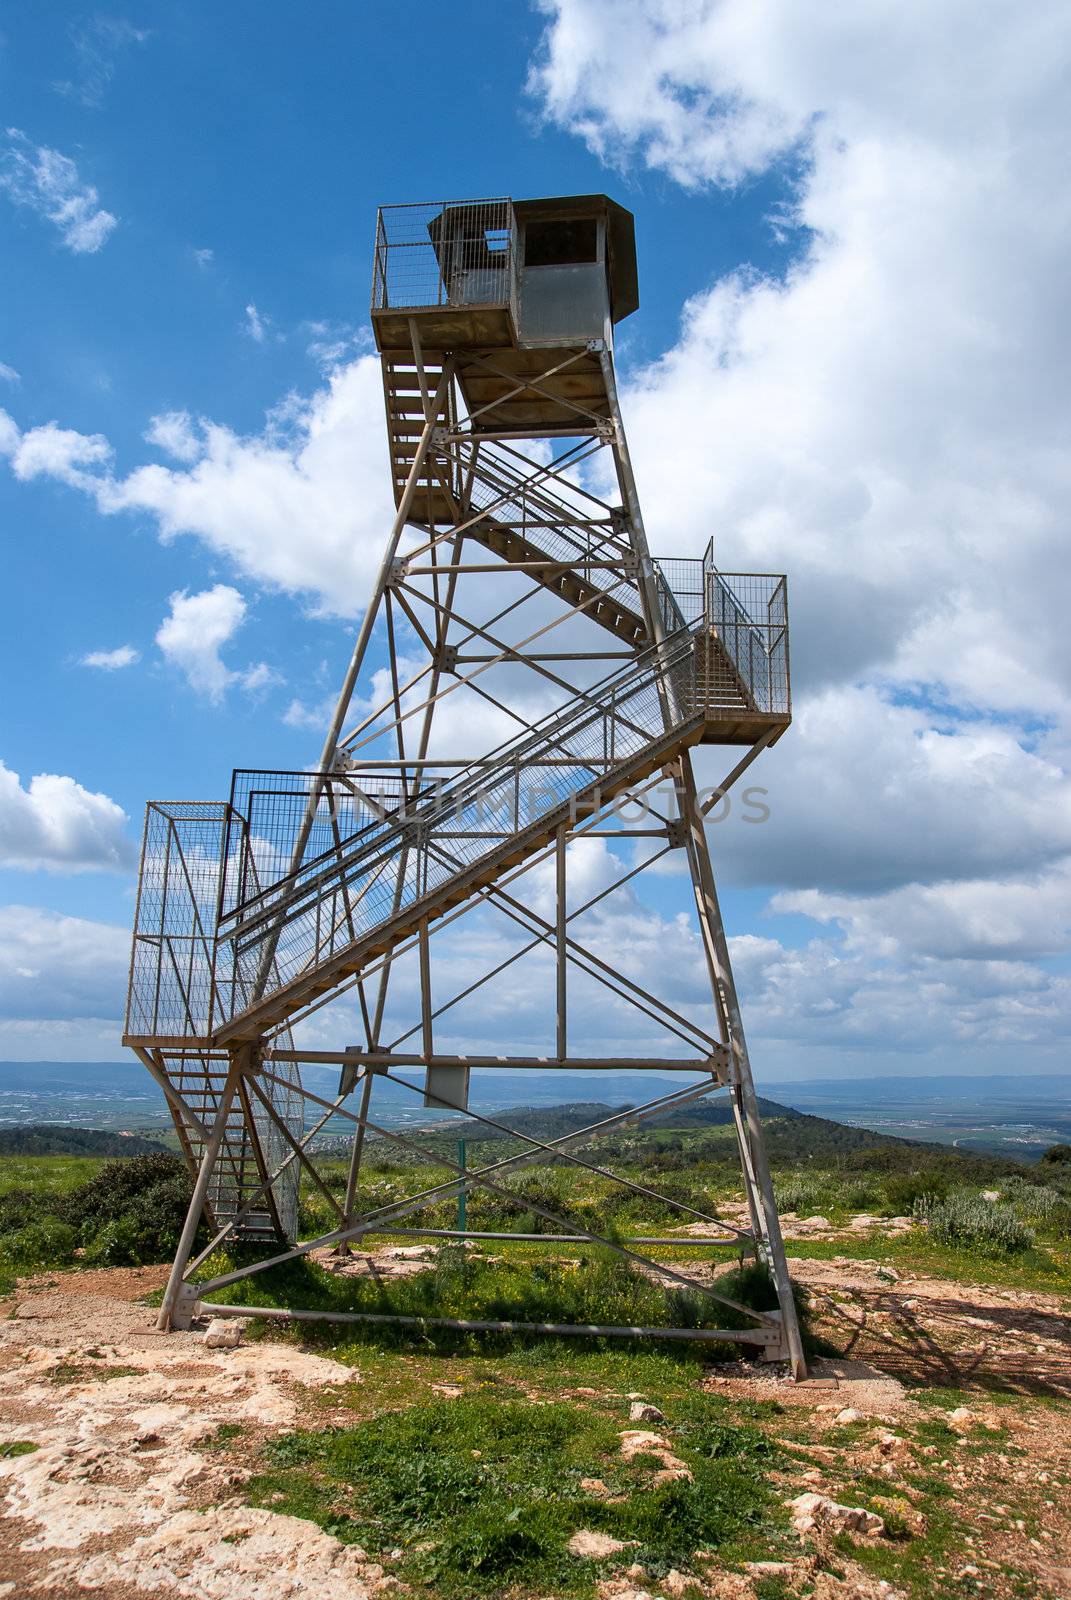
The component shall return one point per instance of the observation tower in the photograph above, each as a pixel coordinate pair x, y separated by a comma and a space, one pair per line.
453, 885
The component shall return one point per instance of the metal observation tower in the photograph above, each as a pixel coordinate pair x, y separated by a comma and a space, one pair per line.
546, 681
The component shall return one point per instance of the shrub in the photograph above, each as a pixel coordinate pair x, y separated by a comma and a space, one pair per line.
1058, 1155
796, 1193
17, 1208
1033, 1201
969, 1222
132, 1211
45, 1243
904, 1190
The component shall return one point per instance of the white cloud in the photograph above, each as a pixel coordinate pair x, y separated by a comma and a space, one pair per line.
256, 325
97, 44
57, 825
304, 505
1026, 918
204, 257
193, 633
54, 452
331, 343
176, 433
888, 422
8, 374
55, 968
821, 998
112, 660
191, 636
257, 677
865, 793
48, 184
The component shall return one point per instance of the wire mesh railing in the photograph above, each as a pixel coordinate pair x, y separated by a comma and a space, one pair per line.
749, 613
225, 918
558, 530
444, 253
332, 901
189, 850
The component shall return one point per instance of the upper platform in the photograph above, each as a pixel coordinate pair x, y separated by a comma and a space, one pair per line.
503, 274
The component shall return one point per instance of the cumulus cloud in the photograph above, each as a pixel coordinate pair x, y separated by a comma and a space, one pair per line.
982, 918
54, 452
56, 969
8, 374
47, 183
57, 825
112, 660
304, 505
864, 793
176, 433
193, 633
887, 422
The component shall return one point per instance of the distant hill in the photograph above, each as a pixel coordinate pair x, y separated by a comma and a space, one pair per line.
804, 1135
47, 1139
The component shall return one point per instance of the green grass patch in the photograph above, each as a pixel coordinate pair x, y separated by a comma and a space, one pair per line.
483, 1494
79, 1372
17, 1447
603, 1290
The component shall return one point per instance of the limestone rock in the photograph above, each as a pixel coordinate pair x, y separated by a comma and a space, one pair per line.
593, 1545
640, 1411
810, 1511
223, 1334
676, 1584
848, 1415
638, 1441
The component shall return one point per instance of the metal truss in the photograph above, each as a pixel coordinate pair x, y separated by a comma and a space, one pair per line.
546, 682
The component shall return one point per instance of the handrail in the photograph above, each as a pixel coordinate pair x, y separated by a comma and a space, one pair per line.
377, 841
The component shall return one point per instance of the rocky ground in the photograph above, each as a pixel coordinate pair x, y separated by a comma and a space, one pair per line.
132, 1488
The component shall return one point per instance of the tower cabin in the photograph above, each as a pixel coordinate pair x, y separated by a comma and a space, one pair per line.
517, 292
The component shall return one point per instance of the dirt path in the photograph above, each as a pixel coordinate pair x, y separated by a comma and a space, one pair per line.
935, 1332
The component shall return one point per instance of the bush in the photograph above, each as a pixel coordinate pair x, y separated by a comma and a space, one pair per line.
1058, 1155
132, 1211
17, 1208
45, 1243
1033, 1201
903, 1191
969, 1222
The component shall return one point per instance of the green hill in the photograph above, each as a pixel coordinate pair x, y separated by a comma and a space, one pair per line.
47, 1139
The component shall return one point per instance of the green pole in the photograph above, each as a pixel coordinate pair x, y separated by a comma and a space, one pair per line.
462, 1196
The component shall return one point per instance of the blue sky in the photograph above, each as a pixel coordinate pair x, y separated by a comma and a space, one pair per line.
869, 410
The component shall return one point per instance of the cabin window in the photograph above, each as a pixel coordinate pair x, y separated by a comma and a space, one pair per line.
561, 242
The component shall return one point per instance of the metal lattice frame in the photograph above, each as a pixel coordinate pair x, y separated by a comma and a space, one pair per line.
508, 588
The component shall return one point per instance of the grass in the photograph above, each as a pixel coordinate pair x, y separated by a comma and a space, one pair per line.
483, 1494
80, 1372
46, 1175
17, 1447
602, 1289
